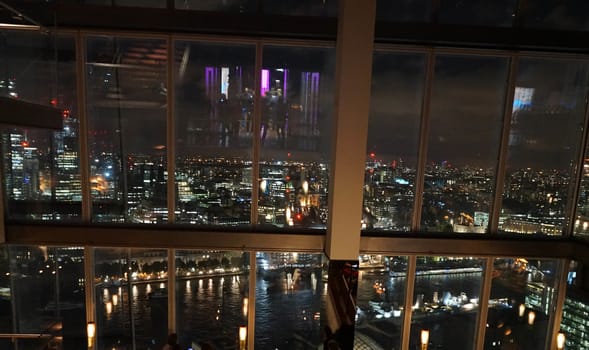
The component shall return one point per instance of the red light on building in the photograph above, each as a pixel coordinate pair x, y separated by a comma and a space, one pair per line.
65, 113
25, 143
53, 102
298, 216
372, 155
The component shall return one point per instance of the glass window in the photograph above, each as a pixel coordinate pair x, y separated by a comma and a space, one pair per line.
242, 6
404, 10
42, 292
565, 15
297, 101
446, 299
131, 298
211, 297
544, 140
463, 143
380, 300
290, 297
133, 3
393, 137
498, 13
126, 102
324, 8
214, 114
41, 167
521, 302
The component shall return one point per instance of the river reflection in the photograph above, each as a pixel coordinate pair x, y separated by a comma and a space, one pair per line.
211, 309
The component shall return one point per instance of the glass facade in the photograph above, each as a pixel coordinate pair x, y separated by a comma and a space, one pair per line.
212, 297
521, 302
42, 292
446, 297
297, 104
126, 108
393, 138
290, 297
463, 143
214, 100
549, 95
382, 282
41, 167
233, 136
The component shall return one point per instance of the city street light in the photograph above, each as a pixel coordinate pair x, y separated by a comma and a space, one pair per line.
424, 339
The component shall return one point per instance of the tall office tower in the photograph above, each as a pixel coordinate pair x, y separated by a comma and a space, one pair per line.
574, 320
68, 185
21, 166
30, 167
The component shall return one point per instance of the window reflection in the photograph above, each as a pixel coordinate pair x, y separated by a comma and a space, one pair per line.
41, 167
214, 116
463, 143
446, 298
290, 296
42, 292
522, 297
242, 6
380, 300
498, 13
569, 15
297, 94
211, 297
393, 135
131, 297
324, 8
545, 133
126, 99
132, 3
404, 10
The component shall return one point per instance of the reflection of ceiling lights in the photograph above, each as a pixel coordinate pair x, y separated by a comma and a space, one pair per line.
20, 26
17, 20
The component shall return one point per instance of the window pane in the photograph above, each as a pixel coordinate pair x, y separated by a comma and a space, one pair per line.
499, 13
41, 167
446, 299
45, 286
380, 300
126, 94
566, 15
211, 297
297, 101
404, 10
134, 313
214, 111
133, 3
522, 297
290, 296
242, 6
324, 8
463, 144
549, 96
393, 133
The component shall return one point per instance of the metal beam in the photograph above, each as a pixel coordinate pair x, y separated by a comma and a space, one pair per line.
29, 115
